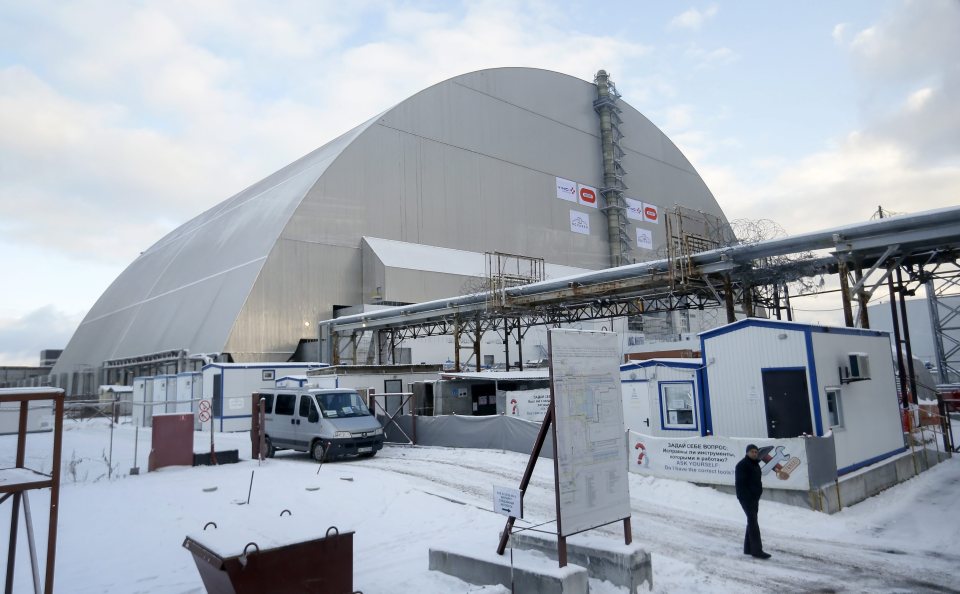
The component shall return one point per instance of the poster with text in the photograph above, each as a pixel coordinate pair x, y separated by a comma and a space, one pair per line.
580, 222
644, 239
566, 190
591, 462
634, 209
712, 460
530, 405
587, 196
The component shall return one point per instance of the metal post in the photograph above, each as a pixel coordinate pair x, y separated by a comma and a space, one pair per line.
519, 345
748, 300
136, 442
906, 337
728, 299
213, 453
113, 416
786, 297
845, 292
528, 473
31, 543
896, 341
935, 328
862, 296
776, 300
456, 343
54, 496
506, 341
478, 336
12, 554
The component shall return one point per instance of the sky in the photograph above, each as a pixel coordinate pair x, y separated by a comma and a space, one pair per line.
119, 121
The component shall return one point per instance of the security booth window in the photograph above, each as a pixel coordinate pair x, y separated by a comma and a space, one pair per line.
834, 407
285, 404
677, 406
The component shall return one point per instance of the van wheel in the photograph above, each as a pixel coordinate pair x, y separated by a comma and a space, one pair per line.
317, 451
270, 449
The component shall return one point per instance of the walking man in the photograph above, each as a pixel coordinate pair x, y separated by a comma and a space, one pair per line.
749, 489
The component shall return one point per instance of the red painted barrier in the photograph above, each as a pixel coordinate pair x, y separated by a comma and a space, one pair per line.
172, 443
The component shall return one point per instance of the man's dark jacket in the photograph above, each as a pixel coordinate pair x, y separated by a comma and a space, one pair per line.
749, 485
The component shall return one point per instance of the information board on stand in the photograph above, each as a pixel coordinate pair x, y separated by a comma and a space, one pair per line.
591, 461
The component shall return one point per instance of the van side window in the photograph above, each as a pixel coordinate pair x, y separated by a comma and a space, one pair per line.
267, 403
285, 404
305, 406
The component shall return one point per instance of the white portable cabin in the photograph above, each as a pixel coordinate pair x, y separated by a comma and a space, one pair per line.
165, 391
229, 386
769, 378
662, 397
323, 382
189, 393
142, 401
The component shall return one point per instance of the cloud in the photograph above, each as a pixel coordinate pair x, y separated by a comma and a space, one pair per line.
708, 58
904, 155
692, 19
22, 338
839, 30
114, 130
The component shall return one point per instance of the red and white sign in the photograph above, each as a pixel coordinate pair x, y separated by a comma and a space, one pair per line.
587, 196
651, 213
566, 190
634, 209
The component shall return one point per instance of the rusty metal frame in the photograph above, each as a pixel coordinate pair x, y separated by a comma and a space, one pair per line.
18, 489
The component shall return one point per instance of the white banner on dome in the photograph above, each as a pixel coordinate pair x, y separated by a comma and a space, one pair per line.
634, 209
587, 196
651, 213
579, 222
644, 239
566, 190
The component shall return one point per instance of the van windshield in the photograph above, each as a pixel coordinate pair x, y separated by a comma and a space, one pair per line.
342, 404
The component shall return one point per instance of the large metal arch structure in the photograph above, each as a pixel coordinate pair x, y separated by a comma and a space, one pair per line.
470, 163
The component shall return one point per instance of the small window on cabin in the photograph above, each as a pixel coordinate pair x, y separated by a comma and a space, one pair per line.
834, 407
285, 404
677, 405
267, 403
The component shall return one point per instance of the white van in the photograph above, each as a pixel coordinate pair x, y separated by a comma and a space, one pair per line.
335, 422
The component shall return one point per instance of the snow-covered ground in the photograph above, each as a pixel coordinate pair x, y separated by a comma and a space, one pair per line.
125, 534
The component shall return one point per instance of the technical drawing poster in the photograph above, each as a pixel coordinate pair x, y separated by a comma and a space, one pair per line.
591, 458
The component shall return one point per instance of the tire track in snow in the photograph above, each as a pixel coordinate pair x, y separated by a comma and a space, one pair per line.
712, 545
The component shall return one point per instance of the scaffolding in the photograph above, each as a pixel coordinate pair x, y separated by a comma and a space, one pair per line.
611, 136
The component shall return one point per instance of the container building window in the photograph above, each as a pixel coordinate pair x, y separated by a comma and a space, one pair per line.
834, 407
677, 406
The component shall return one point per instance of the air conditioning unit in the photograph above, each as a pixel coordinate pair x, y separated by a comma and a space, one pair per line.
857, 369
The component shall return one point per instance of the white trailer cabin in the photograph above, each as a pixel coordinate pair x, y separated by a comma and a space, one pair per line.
165, 393
229, 387
142, 401
662, 397
769, 378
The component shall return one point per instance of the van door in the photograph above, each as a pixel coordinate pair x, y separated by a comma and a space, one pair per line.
308, 421
283, 430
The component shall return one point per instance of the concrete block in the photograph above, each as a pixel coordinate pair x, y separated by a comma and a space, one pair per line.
628, 566
530, 573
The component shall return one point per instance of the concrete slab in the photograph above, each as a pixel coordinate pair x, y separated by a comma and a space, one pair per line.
628, 566
530, 572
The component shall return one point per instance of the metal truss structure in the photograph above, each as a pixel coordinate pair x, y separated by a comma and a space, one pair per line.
752, 276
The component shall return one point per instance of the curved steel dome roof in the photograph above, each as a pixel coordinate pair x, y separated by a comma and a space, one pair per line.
469, 163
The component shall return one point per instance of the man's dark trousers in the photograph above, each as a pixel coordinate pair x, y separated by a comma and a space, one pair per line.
752, 545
